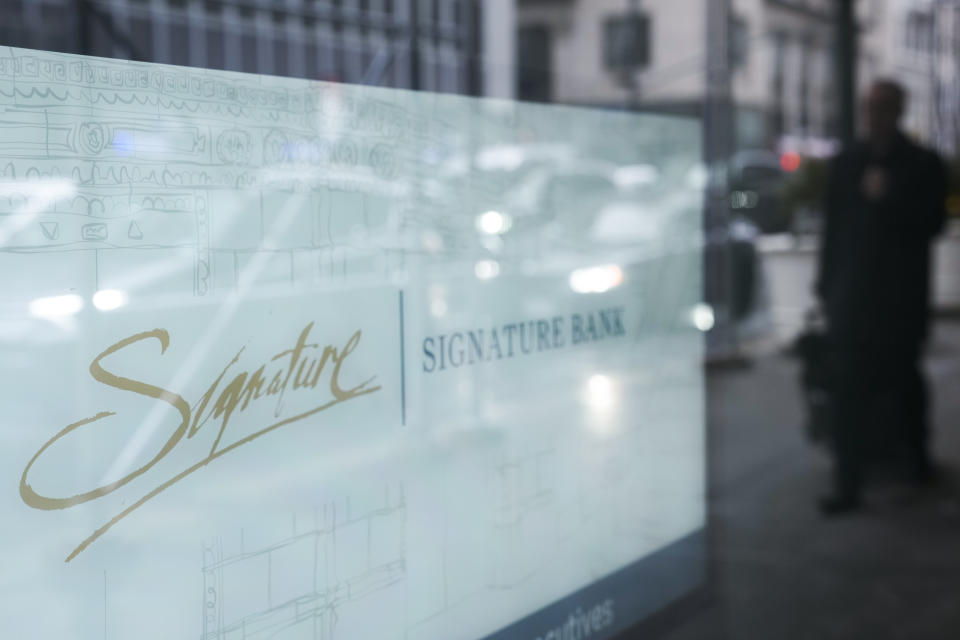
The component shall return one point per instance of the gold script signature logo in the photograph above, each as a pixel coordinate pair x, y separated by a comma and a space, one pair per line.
295, 370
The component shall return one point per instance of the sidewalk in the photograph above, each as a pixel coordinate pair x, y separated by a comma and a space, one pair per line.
892, 572
789, 266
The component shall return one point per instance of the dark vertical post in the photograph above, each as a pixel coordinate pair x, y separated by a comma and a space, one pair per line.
717, 113
846, 68
339, 43
414, 17
718, 284
474, 48
83, 27
633, 66
806, 49
936, 130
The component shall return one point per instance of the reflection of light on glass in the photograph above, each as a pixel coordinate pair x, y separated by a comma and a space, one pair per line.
744, 199
290, 172
596, 279
637, 175
702, 316
500, 158
437, 295
625, 223
192, 361
487, 269
36, 196
493, 244
432, 241
123, 142
790, 161
698, 176
109, 299
54, 307
600, 395
493, 222
600, 390
38, 193
438, 308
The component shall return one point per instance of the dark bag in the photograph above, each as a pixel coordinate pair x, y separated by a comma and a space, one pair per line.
812, 348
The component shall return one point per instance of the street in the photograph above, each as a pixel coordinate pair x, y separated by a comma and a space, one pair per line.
783, 572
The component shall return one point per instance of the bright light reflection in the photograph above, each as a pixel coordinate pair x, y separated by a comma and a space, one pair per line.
438, 308
500, 158
698, 177
36, 196
596, 279
54, 307
600, 396
109, 299
702, 316
39, 193
432, 241
493, 222
486, 269
636, 175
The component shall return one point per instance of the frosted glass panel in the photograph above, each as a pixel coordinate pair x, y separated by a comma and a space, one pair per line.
289, 359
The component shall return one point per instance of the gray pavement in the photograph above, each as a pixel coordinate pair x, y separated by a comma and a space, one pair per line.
891, 572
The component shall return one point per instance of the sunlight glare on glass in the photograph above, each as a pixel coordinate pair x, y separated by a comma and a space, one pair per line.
596, 279
600, 392
702, 316
52, 307
698, 177
437, 295
486, 269
493, 222
109, 299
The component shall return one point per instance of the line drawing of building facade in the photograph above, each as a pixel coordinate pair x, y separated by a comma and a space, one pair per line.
341, 558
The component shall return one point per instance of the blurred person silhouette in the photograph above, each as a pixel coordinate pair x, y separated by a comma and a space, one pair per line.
884, 204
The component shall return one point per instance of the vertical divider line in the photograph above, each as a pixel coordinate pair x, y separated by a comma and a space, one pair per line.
403, 369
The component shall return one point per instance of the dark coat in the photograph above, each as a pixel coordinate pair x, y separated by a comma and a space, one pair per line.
875, 259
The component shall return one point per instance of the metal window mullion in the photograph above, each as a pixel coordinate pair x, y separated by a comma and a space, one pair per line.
337, 46
296, 39
414, 23
351, 40
372, 37
325, 50
119, 14
159, 12
433, 46
30, 33
804, 88
457, 48
444, 49
790, 86
400, 42
232, 27
313, 35
196, 33
263, 28
377, 40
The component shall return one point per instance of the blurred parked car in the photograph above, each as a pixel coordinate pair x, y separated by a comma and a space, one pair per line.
634, 216
756, 181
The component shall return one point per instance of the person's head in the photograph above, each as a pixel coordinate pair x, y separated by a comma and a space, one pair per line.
883, 107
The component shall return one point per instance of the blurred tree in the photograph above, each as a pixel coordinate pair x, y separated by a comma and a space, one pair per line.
804, 188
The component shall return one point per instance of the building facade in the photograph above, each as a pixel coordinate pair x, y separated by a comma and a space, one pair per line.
917, 42
778, 68
434, 45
